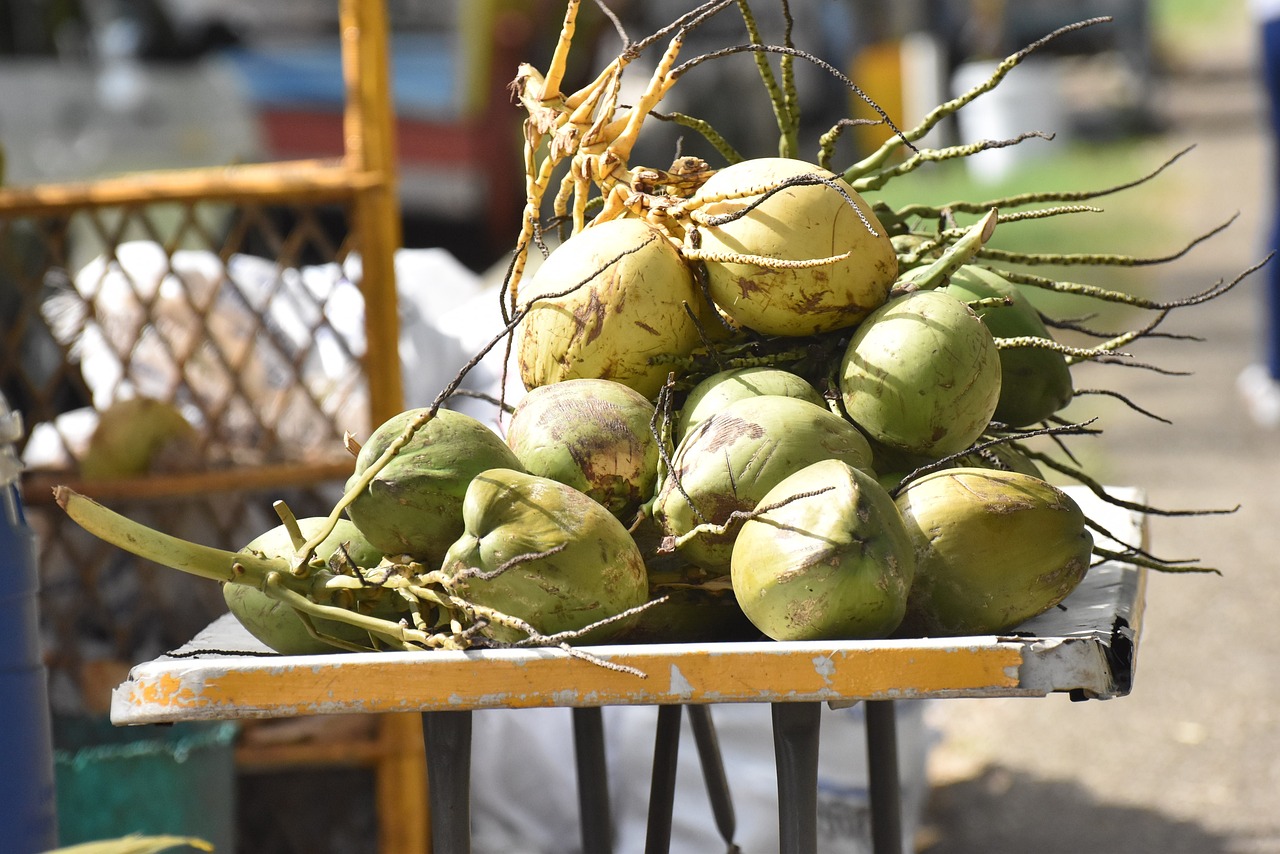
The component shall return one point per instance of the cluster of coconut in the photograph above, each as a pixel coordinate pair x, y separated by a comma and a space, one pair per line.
754, 407
767, 498
784, 477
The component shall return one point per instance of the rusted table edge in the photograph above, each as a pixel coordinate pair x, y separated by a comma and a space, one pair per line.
1086, 648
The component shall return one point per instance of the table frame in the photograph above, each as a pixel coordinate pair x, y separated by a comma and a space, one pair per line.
1087, 648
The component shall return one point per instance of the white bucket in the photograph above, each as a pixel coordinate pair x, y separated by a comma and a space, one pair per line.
1029, 98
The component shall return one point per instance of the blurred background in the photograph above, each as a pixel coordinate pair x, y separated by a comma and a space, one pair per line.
115, 86
1190, 762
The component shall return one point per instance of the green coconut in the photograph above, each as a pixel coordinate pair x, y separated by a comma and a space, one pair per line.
725, 387
835, 565
1035, 381
612, 302
138, 436
691, 613
728, 462
596, 573
696, 608
922, 375
276, 624
799, 223
993, 549
414, 505
594, 435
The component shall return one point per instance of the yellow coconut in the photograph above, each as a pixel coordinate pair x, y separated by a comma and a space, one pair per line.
800, 223
612, 302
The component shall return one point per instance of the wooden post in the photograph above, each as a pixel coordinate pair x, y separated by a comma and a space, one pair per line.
370, 158
369, 131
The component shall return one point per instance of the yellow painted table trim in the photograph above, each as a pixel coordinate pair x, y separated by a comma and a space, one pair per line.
430, 681
1087, 647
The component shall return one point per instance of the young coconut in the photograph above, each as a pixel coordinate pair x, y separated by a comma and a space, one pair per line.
829, 559
612, 302
834, 261
276, 624
569, 561
593, 435
725, 387
922, 374
137, 436
727, 463
414, 505
695, 607
1035, 382
993, 549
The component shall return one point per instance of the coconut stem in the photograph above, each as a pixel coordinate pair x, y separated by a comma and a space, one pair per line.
164, 549
881, 156
709, 133
877, 180
1101, 259
290, 522
1076, 353
275, 586
957, 255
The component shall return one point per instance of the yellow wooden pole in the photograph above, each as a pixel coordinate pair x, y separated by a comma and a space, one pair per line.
369, 129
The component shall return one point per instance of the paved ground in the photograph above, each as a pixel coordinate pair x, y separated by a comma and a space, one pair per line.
1190, 761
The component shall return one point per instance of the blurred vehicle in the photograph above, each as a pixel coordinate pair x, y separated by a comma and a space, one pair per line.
111, 86
457, 134
89, 89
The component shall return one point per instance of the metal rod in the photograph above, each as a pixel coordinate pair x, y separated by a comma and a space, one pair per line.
882, 772
795, 748
448, 743
662, 787
708, 743
593, 781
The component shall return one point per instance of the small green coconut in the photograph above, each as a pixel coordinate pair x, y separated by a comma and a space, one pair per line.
725, 387
697, 607
993, 549
728, 462
835, 565
796, 224
275, 623
414, 505
594, 435
922, 375
597, 573
1035, 381
138, 436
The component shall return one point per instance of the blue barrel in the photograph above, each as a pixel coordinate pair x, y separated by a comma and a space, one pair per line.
28, 811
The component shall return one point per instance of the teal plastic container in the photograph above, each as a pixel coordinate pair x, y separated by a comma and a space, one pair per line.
173, 779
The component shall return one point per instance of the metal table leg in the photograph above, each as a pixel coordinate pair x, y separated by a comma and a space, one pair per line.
882, 770
795, 746
593, 781
448, 745
662, 788
704, 736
